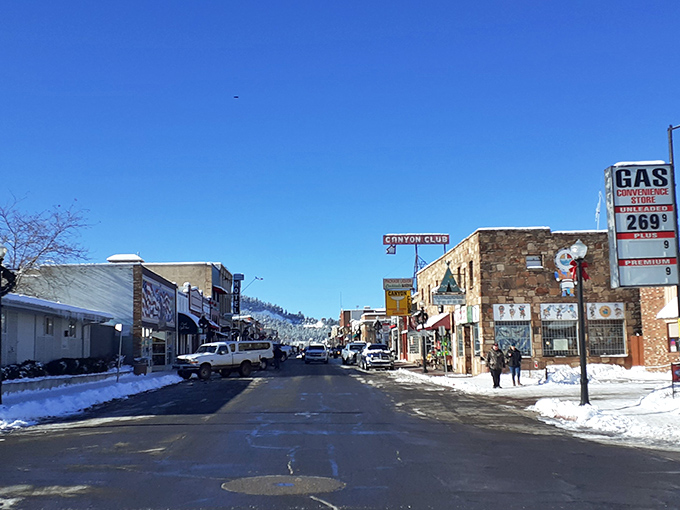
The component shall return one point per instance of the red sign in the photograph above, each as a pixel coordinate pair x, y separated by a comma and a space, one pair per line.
416, 239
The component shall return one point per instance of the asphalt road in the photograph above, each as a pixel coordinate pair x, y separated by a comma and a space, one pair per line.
321, 436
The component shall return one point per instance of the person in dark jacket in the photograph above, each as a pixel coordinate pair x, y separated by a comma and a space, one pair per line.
515, 363
278, 354
495, 360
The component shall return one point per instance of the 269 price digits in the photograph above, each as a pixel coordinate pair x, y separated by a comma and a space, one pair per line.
645, 221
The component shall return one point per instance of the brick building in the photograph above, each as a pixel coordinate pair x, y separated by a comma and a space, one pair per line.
518, 290
659, 310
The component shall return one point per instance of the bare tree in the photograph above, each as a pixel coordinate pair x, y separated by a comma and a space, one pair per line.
33, 239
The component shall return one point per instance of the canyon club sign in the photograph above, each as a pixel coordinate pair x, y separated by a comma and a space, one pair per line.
394, 239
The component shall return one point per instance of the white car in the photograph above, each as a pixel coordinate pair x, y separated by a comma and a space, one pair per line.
376, 356
316, 352
350, 353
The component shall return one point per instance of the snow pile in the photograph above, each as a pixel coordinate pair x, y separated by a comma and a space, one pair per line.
28, 407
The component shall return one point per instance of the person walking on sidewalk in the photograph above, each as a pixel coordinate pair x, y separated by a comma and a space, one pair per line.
514, 357
495, 360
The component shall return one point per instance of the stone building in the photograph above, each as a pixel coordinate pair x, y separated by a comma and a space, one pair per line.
518, 291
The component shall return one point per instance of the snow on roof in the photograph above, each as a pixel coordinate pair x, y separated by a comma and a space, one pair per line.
670, 311
53, 307
124, 257
640, 163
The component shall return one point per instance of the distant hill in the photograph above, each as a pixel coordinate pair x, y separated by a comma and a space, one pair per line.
291, 327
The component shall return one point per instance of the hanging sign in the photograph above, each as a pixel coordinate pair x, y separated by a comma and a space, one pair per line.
397, 303
642, 223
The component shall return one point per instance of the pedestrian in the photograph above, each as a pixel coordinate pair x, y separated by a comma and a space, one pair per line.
278, 354
514, 357
495, 360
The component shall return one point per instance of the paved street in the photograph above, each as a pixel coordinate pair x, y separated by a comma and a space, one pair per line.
320, 436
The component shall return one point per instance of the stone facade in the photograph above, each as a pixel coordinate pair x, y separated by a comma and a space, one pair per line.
517, 266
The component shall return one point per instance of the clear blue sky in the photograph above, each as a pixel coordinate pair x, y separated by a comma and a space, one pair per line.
354, 119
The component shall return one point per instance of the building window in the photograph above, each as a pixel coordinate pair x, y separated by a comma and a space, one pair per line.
413, 347
534, 262
71, 331
673, 337
460, 341
49, 326
517, 333
559, 338
475, 340
606, 338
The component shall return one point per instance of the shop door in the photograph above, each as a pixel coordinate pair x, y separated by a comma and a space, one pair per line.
467, 341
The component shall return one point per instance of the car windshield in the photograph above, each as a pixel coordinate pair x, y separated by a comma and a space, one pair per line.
316, 348
206, 348
357, 347
377, 347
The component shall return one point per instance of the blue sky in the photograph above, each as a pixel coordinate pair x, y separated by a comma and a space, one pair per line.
353, 120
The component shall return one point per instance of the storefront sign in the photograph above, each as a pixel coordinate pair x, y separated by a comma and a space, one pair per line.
642, 221
397, 283
394, 239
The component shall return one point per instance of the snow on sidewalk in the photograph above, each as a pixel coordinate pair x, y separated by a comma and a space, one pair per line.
635, 406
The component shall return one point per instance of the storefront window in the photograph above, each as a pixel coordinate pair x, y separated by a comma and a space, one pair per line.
559, 338
606, 338
517, 333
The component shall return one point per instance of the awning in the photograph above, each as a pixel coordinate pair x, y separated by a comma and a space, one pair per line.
670, 311
219, 290
441, 319
187, 324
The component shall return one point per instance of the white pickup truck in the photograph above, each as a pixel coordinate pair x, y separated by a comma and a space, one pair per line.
223, 357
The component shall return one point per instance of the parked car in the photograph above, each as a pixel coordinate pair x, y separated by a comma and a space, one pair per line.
224, 357
316, 352
350, 352
376, 356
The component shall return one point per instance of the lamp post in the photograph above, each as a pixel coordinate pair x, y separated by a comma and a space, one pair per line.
10, 278
578, 252
421, 318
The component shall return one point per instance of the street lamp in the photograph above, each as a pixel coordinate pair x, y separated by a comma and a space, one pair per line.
5, 288
578, 252
421, 318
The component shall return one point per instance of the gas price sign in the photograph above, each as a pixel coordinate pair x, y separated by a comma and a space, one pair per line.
641, 216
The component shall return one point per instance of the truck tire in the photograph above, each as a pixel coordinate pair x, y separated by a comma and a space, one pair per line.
184, 374
204, 372
225, 372
245, 369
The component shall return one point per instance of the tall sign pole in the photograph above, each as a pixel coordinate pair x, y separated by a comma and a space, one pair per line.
671, 161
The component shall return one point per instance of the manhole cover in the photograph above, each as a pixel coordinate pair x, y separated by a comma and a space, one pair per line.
279, 485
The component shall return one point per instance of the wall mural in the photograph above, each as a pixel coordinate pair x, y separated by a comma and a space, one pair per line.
158, 303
